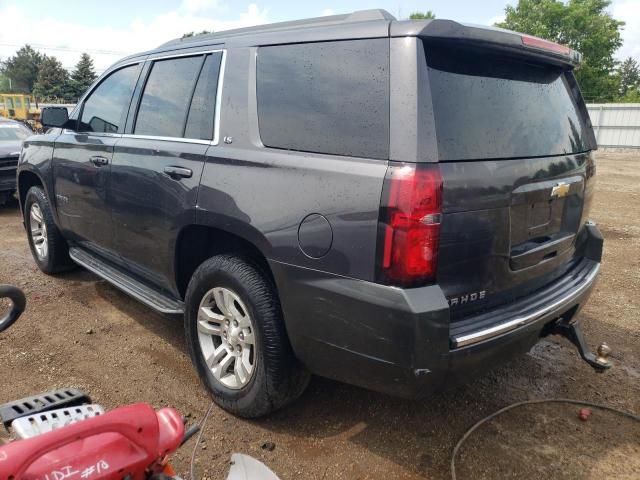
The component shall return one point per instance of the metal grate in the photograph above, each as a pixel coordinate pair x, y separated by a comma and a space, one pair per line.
8, 166
40, 403
34, 425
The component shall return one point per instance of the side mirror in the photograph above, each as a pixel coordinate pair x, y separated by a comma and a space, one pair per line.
18, 303
54, 117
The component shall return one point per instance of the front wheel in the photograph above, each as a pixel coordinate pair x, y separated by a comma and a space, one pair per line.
48, 247
237, 339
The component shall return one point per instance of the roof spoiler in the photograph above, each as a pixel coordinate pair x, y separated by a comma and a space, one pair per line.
491, 37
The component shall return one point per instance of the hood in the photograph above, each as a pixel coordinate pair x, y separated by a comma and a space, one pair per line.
9, 149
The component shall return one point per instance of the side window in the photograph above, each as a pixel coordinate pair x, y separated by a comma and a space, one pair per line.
105, 109
166, 97
18, 102
330, 97
203, 104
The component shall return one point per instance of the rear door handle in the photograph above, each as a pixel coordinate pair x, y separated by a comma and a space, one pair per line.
99, 161
178, 172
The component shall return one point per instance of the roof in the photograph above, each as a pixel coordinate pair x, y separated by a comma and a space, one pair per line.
326, 21
359, 25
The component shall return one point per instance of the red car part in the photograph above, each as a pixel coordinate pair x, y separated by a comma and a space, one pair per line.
128, 442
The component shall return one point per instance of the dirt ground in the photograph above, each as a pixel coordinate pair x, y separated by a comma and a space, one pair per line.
79, 331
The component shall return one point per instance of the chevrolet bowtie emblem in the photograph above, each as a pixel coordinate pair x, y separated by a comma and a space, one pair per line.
560, 190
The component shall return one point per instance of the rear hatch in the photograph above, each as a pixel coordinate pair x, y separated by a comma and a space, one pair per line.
514, 143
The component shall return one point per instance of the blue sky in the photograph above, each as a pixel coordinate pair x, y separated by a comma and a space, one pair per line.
119, 13
111, 29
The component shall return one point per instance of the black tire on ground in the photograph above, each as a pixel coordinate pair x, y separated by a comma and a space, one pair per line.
278, 377
57, 257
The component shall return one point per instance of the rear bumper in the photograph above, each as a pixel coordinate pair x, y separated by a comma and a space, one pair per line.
568, 290
507, 331
401, 341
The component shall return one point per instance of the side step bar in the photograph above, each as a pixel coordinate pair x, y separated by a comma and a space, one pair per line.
117, 278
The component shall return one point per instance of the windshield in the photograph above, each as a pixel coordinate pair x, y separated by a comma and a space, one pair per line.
12, 132
489, 106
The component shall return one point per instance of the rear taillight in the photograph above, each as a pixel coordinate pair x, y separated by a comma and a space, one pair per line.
410, 216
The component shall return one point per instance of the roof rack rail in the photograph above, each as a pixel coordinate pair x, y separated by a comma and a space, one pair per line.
357, 16
368, 15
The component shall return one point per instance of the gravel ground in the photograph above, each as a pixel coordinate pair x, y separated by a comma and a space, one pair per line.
79, 331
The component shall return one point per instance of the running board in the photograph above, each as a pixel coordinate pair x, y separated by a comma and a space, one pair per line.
147, 295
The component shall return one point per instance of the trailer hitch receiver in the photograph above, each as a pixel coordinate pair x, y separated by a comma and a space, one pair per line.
573, 332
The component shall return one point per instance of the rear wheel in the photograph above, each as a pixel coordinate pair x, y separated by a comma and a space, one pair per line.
49, 249
237, 339
226, 335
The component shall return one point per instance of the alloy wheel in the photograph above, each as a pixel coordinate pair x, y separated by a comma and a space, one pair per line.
226, 336
38, 231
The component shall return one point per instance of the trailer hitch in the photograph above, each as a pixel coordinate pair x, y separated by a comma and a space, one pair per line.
573, 332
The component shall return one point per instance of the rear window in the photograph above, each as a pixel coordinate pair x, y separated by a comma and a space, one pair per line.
330, 97
166, 97
488, 106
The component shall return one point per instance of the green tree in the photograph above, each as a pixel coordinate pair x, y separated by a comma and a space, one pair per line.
82, 77
52, 82
428, 15
583, 25
22, 68
629, 75
632, 96
5, 83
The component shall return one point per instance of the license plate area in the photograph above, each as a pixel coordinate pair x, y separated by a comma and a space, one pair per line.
544, 219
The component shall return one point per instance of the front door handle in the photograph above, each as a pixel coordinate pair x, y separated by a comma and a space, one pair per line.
178, 172
99, 161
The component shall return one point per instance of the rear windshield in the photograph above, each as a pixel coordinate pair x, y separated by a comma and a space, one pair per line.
488, 106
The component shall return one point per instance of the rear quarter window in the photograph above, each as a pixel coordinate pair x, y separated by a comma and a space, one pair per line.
488, 106
330, 97
200, 121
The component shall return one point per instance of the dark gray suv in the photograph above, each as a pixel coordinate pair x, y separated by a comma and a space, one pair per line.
393, 204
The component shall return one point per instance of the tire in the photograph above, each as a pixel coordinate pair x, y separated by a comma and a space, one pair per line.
55, 257
277, 377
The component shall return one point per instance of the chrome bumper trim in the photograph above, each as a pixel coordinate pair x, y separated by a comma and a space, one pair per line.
494, 331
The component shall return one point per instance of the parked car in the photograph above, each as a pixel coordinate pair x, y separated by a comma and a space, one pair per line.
12, 134
393, 204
